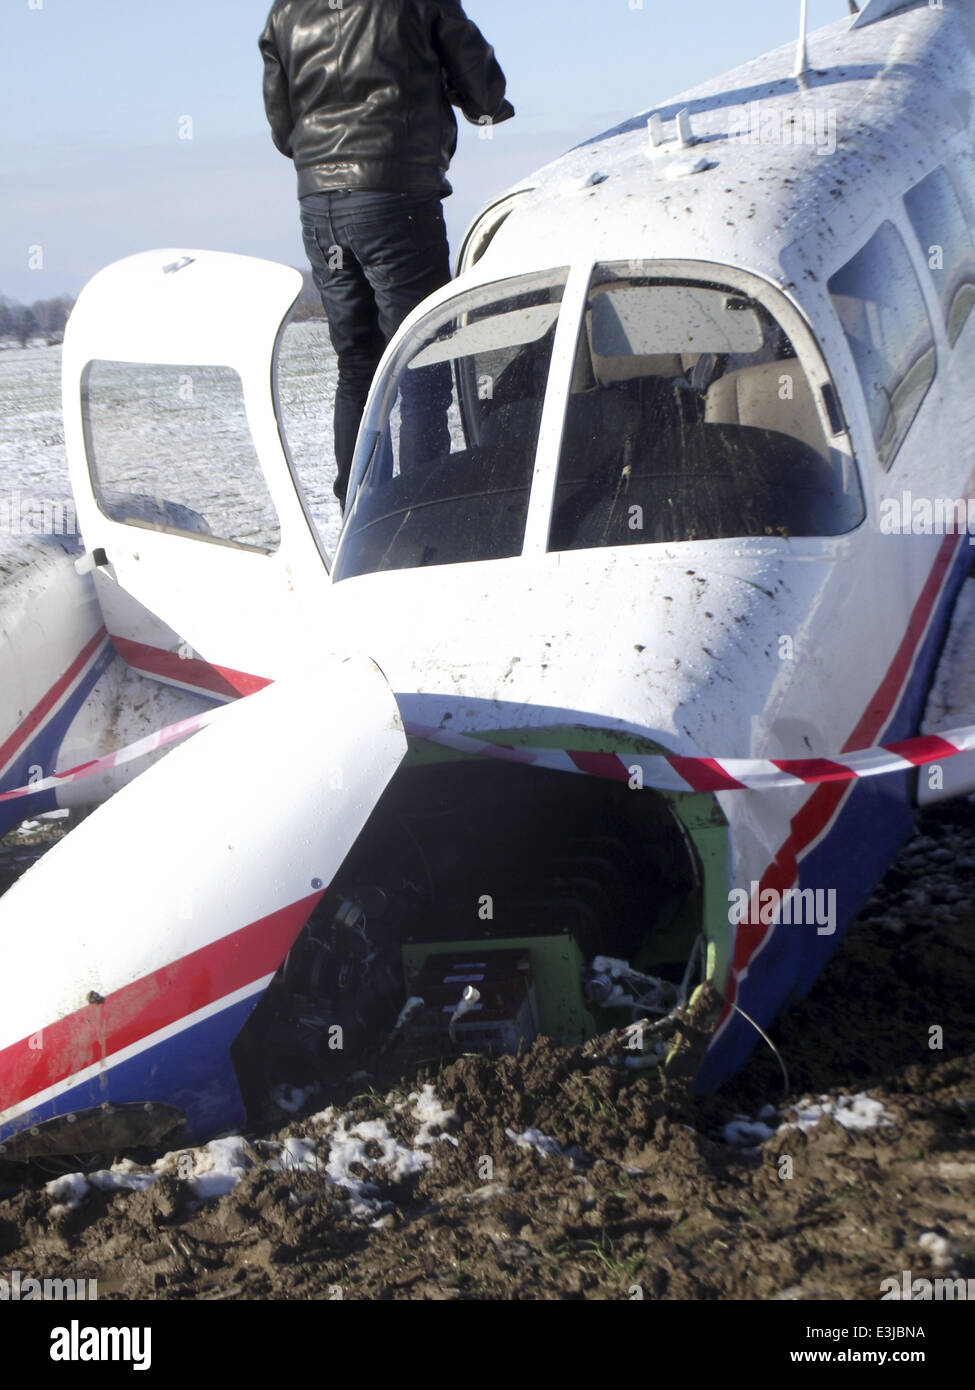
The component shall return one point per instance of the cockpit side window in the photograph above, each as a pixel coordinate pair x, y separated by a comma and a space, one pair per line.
445, 460
879, 302
691, 418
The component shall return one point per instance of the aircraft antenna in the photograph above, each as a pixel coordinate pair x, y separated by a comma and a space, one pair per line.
802, 50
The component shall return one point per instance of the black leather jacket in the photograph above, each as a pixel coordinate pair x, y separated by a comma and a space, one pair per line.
360, 96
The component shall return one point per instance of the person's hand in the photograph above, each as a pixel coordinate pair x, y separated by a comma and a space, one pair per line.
503, 112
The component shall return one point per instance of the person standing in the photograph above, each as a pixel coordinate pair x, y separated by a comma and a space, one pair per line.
359, 94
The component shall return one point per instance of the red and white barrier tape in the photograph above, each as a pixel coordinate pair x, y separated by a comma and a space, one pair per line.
152, 743
669, 772
665, 772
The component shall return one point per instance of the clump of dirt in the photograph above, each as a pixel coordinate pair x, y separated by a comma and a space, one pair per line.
554, 1175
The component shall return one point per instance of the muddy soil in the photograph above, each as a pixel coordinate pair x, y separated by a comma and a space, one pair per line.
565, 1178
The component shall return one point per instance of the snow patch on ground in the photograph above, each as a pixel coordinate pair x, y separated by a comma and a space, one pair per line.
356, 1148
535, 1139
211, 1171
291, 1099
550, 1148
745, 1132
67, 1192
852, 1112
431, 1115
347, 1156
859, 1112
937, 1248
218, 1167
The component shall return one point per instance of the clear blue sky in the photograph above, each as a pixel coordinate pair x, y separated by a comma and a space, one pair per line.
92, 93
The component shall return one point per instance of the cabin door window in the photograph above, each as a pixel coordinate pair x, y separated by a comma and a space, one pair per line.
170, 449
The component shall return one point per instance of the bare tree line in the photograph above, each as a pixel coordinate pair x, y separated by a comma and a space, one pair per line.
309, 304
45, 318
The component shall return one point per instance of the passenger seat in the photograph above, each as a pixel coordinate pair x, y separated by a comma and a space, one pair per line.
750, 396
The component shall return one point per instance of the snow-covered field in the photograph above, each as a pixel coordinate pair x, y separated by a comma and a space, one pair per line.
32, 456
33, 463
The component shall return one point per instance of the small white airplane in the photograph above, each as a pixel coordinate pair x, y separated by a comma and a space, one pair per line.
614, 693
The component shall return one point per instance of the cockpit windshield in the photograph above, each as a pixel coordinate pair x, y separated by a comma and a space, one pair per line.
691, 417
451, 440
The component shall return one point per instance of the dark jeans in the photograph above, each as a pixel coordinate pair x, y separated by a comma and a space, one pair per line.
374, 256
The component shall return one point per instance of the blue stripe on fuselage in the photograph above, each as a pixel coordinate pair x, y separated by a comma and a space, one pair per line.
43, 749
192, 1071
851, 858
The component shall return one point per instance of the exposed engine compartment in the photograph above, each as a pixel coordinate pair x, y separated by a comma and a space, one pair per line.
462, 854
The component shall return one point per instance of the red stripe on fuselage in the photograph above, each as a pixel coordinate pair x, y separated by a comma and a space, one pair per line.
216, 680
815, 814
97, 1031
44, 706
